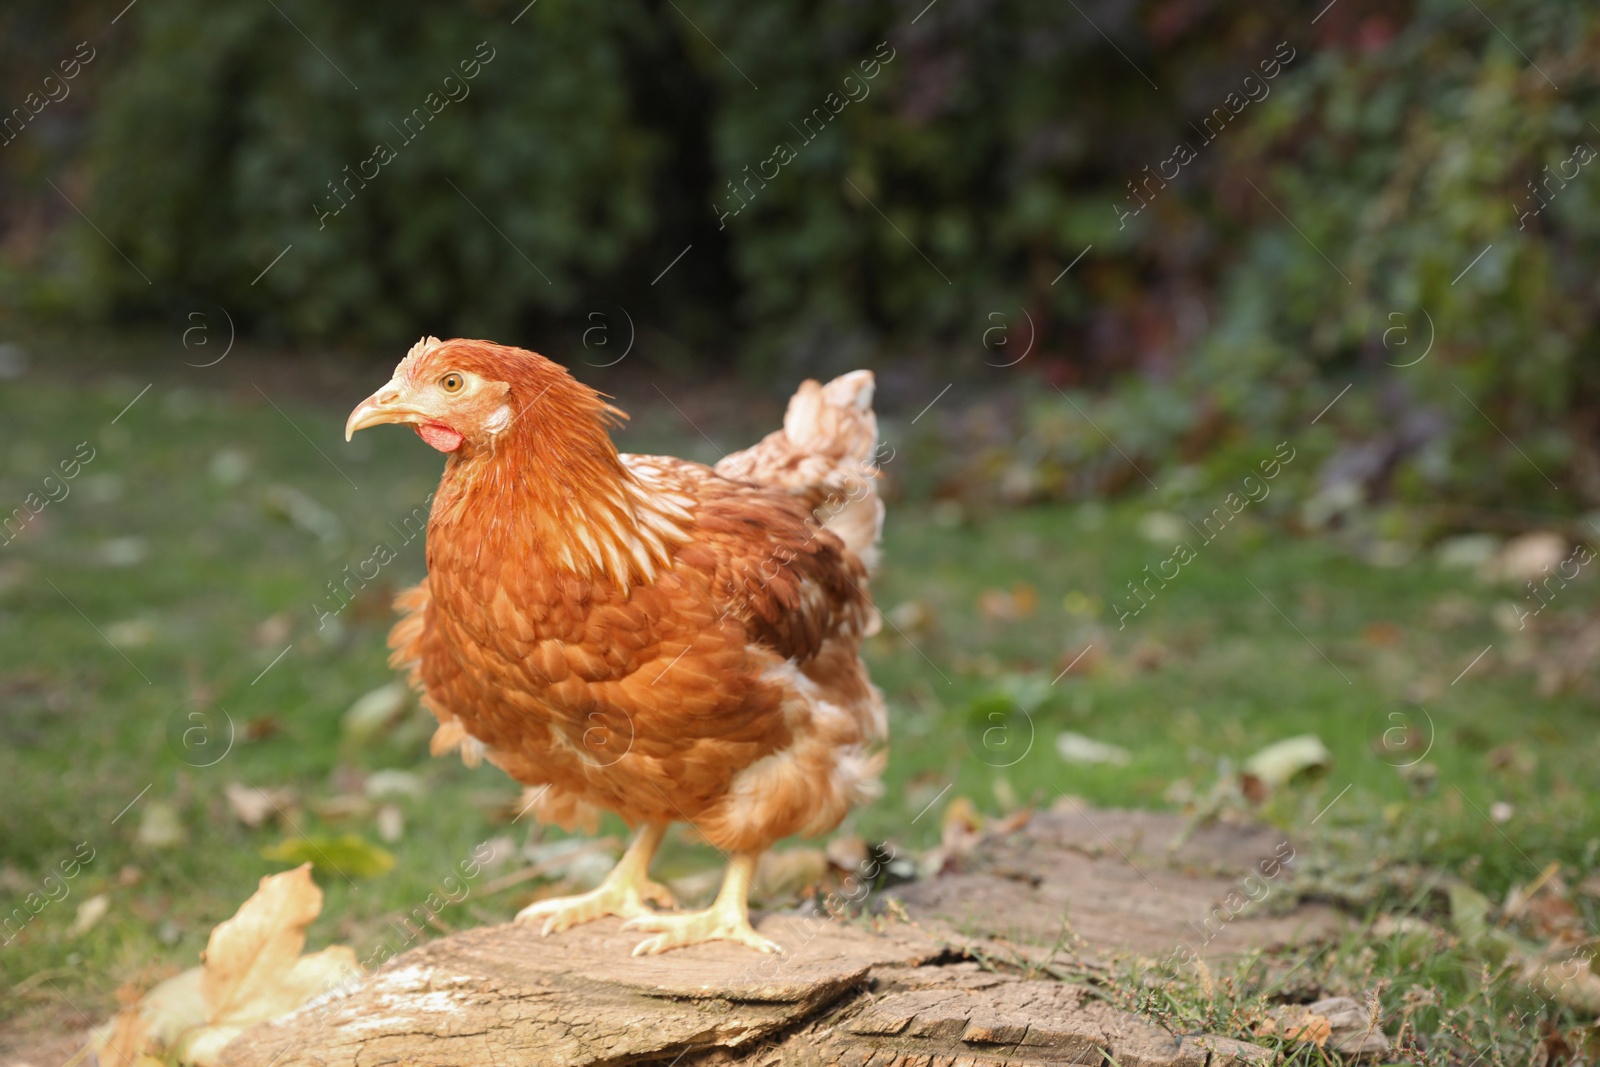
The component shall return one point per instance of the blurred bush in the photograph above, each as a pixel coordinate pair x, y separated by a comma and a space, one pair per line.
1346, 164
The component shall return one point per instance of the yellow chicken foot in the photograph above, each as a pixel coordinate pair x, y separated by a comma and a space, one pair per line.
728, 918
623, 893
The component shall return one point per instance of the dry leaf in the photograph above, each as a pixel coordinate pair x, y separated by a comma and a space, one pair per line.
253, 972
1382, 634
1019, 602
1527, 558
1296, 1024
253, 806
1076, 748
1553, 1050
90, 912
174, 1008
124, 1044
391, 823
961, 824
1353, 1028
375, 712
308, 977
914, 617
848, 852
784, 875
247, 954
160, 825
1309, 1028
1571, 981
1011, 823
1282, 762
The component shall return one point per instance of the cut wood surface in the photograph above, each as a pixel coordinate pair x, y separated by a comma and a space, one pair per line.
1126, 882
905, 992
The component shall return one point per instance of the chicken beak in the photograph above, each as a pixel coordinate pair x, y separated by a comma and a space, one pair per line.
383, 406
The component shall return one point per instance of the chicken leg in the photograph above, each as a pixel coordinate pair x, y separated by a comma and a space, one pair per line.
728, 918
623, 893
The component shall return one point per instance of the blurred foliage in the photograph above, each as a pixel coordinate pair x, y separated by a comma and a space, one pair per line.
1350, 162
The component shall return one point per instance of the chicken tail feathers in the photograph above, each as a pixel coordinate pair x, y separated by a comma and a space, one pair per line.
825, 454
834, 420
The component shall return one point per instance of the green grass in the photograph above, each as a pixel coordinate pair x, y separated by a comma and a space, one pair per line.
206, 527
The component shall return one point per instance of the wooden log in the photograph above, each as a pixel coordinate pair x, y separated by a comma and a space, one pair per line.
900, 993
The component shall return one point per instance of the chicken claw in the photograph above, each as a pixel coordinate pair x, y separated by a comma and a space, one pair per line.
728, 918
624, 892
561, 913
694, 928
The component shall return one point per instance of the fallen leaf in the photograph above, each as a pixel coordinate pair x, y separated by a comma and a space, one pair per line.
1352, 1028
308, 977
252, 972
1296, 1024
273, 631
174, 1008
1076, 748
391, 823
1527, 558
1282, 762
1387, 926
1076, 661
253, 806
1018, 602
344, 806
373, 712
1148, 655
90, 912
785, 875
122, 551
159, 826
1253, 788
132, 633
262, 727
1163, 528
124, 1044
1011, 823
1571, 981
1467, 551
260, 943
848, 853
912, 617
347, 855
1082, 604
1552, 1049
392, 783
1381, 634
961, 826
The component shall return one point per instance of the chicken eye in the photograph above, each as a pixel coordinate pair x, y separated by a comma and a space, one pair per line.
451, 382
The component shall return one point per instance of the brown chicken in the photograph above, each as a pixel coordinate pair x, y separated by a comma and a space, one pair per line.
641, 634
